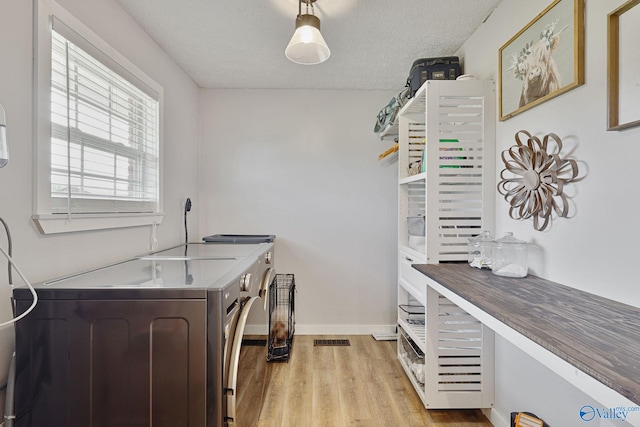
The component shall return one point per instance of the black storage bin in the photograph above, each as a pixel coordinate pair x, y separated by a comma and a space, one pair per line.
423, 69
281, 317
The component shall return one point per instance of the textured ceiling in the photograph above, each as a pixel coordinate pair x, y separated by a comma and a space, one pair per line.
240, 44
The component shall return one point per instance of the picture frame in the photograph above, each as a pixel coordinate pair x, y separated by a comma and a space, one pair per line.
543, 60
623, 70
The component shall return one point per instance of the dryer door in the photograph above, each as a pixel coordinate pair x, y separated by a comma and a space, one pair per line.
267, 278
231, 389
231, 324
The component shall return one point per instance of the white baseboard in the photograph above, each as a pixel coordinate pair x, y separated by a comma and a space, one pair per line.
496, 418
326, 329
343, 329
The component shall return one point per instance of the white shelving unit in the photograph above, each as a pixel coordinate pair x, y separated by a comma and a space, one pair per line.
453, 124
449, 126
446, 353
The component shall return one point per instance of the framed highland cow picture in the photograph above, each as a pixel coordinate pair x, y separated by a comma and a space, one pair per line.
545, 59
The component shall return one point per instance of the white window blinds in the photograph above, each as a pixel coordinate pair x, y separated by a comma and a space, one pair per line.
104, 133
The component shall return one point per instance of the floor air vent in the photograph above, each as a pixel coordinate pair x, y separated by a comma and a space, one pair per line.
254, 343
318, 343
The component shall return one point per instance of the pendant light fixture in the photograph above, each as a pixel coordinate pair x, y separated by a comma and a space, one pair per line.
307, 46
4, 150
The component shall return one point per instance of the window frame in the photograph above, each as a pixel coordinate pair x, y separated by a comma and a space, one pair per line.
46, 13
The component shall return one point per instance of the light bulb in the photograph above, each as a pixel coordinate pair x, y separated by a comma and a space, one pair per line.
306, 33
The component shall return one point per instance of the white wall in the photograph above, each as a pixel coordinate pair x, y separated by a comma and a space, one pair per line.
42, 257
303, 165
523, 384
596, 249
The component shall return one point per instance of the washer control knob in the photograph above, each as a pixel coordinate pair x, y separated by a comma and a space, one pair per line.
245, 282
268, 257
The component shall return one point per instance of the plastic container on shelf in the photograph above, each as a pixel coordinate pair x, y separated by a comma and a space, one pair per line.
412, 314
417, 243
412, 356
416, 225
415, 231
509, 257
480, 248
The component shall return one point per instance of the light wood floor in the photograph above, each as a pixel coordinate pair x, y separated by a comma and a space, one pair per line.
362, 385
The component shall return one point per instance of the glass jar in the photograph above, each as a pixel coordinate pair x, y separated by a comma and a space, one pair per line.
509, 257
480, 250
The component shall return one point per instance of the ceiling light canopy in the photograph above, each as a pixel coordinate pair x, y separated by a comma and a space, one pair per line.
307, 46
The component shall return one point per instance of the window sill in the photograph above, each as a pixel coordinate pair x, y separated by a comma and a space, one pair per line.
62, 223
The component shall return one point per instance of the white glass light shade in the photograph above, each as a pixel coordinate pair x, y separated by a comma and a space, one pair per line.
307, 46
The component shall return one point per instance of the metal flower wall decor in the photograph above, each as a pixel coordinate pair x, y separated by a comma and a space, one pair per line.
534, 178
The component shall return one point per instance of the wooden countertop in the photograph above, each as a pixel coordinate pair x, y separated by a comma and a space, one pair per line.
599, 336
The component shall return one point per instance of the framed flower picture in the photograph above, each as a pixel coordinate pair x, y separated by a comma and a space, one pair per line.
545, 59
